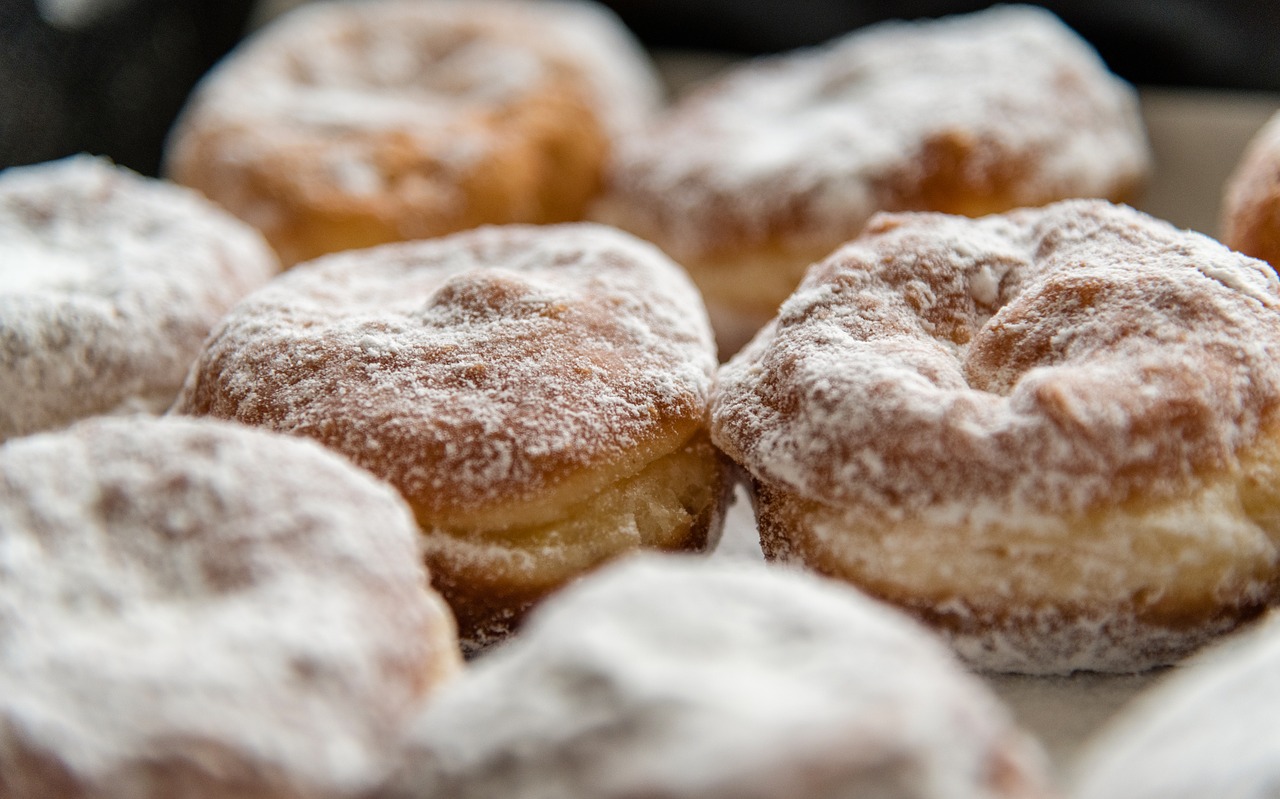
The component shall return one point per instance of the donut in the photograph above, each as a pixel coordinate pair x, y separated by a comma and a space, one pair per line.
192, 608
671, 677
109, 283
348, 124
1251, 206
1051, 434
753, 177
1207, 730
537, 393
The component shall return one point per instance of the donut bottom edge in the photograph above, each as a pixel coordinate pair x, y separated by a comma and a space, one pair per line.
493, 578
1120, 590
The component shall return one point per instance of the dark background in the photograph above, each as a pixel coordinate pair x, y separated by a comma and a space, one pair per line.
113, 84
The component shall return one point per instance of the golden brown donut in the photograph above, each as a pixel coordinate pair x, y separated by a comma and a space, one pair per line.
109, 283
1251, 208
348, 124
1052, 434
190, 608
538, 394
768, 169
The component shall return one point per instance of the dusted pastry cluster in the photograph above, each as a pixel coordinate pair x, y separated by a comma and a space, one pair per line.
476, 419
538, 394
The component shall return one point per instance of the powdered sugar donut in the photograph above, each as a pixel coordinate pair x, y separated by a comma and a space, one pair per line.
749, 180
345, 125
538, 394
1051, 434
109, 283
191, 608
776, 685
1207, 730
1251, 209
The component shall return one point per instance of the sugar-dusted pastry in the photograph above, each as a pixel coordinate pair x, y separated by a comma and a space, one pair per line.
109, 283
770, 168
1051, 434
190, 608
538, 394
349, 124
673, 677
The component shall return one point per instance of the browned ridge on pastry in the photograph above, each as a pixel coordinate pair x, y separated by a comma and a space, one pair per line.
538, 394
345, 125
1052, 433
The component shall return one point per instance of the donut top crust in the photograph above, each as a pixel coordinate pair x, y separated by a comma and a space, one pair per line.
353, 84
777, 684
1000, 109
109, 283
479, 368
1050, 360
189, 607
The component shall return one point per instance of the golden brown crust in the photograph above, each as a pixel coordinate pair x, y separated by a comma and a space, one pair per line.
350, 125
1251, 208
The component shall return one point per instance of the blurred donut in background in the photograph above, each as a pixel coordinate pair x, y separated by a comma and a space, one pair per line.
108, 76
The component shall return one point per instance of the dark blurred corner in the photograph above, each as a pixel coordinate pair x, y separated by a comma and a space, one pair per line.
104, 76
108, 76
1232, 44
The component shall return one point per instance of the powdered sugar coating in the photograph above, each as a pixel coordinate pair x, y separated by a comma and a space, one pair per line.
482, 368
801, 149
1206, 730
109, 283
669, 677
194, 608
1042, 361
